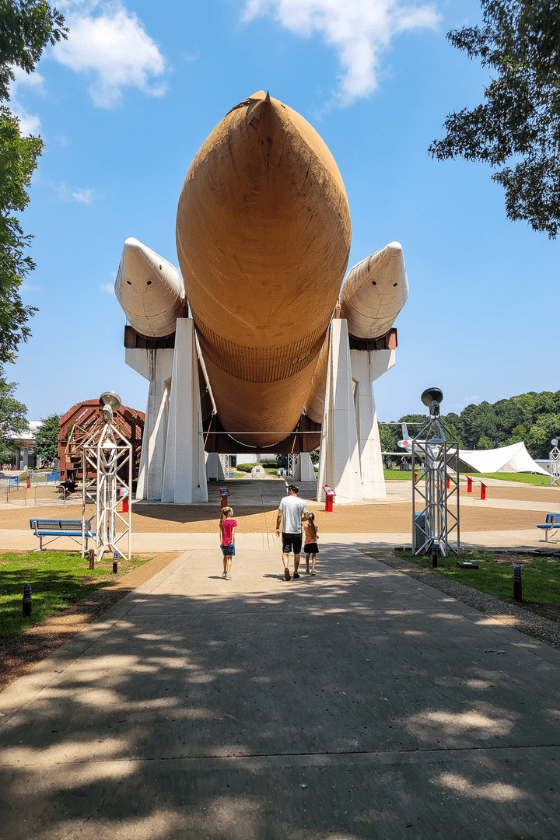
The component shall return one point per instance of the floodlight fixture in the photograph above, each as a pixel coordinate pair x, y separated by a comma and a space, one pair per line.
110, 398
431, 398
110, 403
554, 442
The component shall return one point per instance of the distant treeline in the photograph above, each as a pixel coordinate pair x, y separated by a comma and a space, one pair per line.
534, 418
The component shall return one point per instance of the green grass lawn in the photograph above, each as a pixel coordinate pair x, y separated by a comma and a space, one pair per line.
57, 580
540, 578
398, 475
526, 478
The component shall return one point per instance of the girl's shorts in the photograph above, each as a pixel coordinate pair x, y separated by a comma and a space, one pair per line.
228, 550
311, 548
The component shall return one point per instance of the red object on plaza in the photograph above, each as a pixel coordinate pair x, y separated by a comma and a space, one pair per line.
29, 481
469, 484
329, 498
124, 499
448, 482
482, 490
80, 422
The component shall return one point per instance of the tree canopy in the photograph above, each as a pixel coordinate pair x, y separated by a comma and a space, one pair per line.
46, 439
26, 27
533, 418
517, 128
13, 420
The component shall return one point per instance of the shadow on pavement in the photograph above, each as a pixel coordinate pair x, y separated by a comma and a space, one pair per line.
356, 704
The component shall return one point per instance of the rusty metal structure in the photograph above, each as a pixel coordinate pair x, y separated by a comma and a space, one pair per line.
79, 424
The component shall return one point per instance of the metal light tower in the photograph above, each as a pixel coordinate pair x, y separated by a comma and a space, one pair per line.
109, 453
435, 496
554, 463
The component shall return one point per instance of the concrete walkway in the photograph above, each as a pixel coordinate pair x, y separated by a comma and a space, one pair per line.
522, 540
355, 704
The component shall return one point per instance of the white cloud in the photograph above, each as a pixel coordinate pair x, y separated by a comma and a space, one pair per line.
28, 123
84, 195
29, 287
360, 31
108, 287
110, 44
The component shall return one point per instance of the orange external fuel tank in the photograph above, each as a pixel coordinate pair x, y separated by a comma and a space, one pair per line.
263, 237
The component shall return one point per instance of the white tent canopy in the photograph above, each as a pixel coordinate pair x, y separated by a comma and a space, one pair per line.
506, 459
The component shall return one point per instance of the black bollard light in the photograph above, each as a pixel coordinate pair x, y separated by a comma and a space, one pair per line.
115, 562
517, 594
27, 601
435, 552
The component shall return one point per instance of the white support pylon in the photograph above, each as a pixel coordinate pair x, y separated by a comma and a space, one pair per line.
154, 365
339, 463
214, 469
184, 473
304, 468
367, 366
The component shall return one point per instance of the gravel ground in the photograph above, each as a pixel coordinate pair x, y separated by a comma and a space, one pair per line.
520, 618
256, 519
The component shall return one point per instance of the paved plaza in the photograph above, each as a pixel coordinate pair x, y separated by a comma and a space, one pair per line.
359, 703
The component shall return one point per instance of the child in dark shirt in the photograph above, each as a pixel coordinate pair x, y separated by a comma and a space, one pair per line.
311, 535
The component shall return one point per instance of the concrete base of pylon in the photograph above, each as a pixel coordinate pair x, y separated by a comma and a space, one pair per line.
351, 461
339, 462
214, 470
304, 468
154, 365
184, 473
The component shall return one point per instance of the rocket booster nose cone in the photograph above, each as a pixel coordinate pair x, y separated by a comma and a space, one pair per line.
149, 289
374, 292
132, 243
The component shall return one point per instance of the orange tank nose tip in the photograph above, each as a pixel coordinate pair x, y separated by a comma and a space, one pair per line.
263, 232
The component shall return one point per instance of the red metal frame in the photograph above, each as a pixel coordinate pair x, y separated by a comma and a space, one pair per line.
78, 424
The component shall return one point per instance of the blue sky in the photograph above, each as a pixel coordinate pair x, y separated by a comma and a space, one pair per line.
126, 102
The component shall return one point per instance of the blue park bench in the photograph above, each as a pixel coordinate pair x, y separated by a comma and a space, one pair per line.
56, 528
552, 521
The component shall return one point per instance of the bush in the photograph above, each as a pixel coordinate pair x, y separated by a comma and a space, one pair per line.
266, 465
